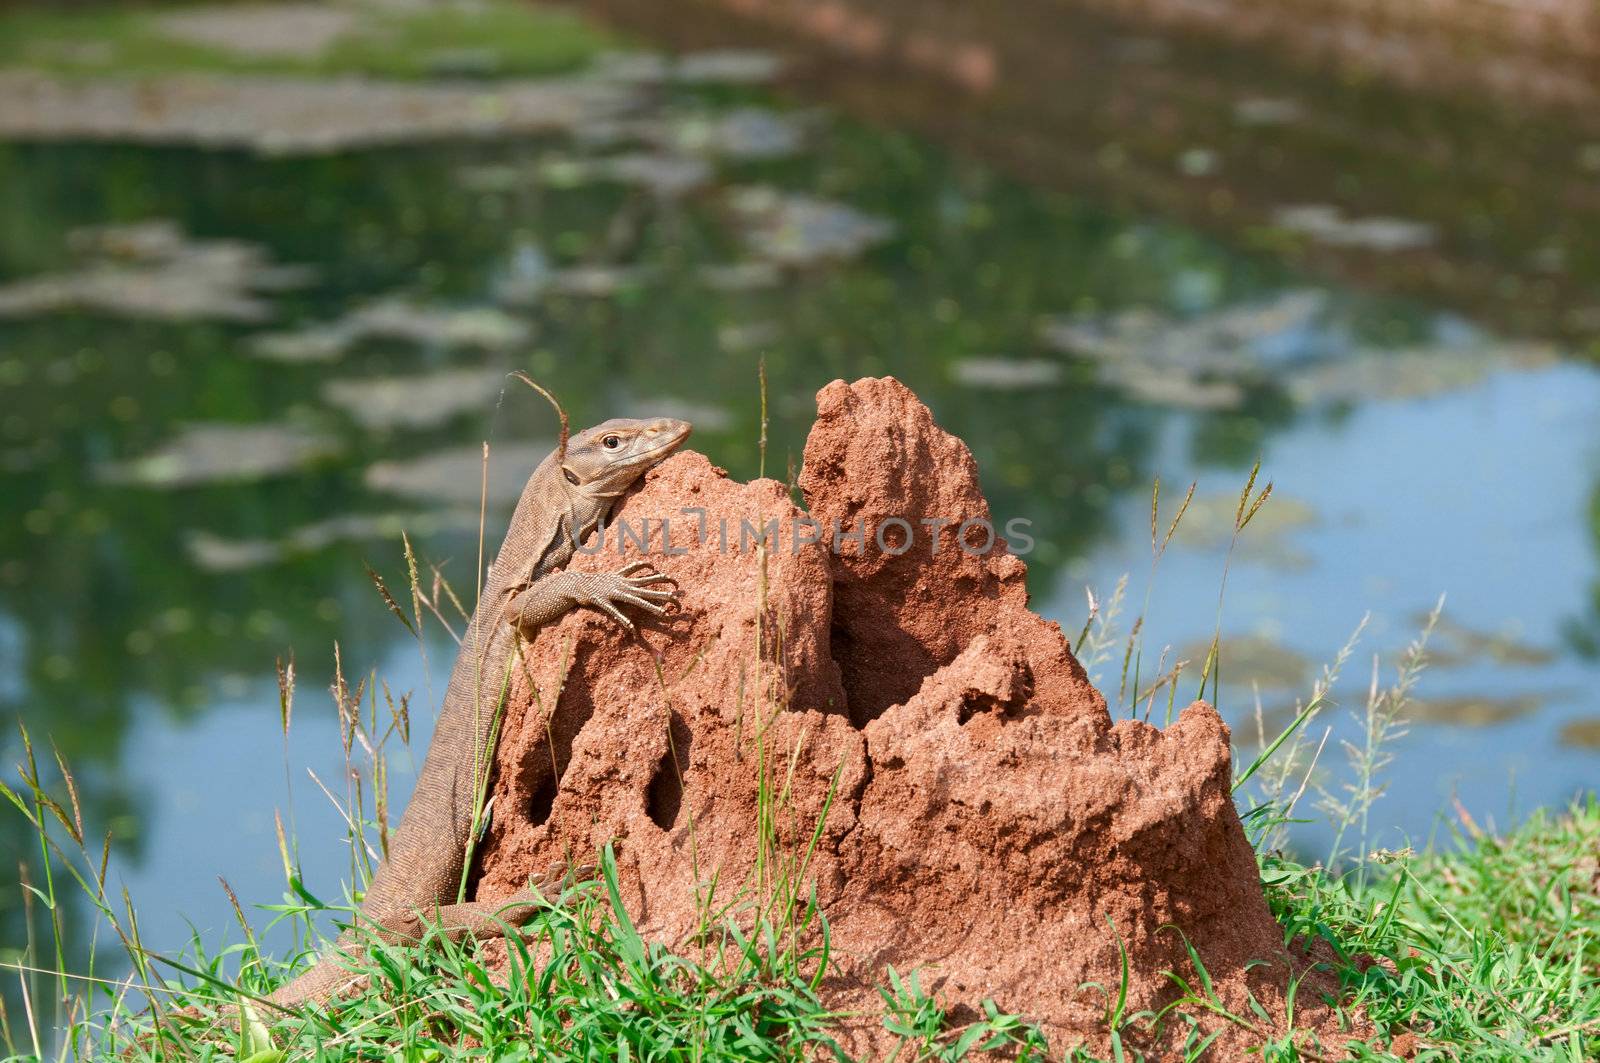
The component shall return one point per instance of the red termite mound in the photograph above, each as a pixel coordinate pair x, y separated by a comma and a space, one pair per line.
987, 824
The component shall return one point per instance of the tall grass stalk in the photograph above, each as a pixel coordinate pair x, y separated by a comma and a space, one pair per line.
1099, 634
1246, 511
1281, 759
1383, 722
1158, 550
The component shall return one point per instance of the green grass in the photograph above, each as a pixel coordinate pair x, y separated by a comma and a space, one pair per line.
499, 38
581, 984
1487, 948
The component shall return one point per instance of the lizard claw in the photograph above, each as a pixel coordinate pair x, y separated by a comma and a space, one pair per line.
639, 591
609, 591
626, 573
653, 608
604, 604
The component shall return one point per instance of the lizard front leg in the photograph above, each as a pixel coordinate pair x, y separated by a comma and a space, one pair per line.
547, 599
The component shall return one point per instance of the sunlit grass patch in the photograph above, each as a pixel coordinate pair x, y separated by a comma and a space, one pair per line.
502, 39
94, 40
491, 38
1489, 950
578, 983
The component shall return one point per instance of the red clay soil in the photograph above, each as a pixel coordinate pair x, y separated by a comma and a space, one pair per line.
989, 823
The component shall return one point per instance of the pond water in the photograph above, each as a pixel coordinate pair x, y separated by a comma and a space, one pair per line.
231, 380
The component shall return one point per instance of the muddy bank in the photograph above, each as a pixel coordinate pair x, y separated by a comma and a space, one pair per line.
986, 821
291, 115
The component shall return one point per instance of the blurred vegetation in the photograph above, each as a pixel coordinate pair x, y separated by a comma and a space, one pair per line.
492, 37
1583, 631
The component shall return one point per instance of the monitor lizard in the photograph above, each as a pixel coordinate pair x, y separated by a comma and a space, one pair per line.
569, 494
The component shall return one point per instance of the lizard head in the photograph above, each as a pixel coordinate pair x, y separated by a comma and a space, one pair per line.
604, 461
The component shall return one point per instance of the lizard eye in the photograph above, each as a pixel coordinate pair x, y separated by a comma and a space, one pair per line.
611, 442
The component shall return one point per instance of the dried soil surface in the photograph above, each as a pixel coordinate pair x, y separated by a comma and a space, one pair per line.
292, 115
295, 30
989, 822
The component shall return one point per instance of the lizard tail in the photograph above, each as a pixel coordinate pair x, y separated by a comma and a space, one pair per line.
323, 980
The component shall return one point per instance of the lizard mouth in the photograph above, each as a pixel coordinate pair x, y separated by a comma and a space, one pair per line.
678, 436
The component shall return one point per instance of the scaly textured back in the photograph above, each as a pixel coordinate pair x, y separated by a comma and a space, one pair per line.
427, 851
570, 492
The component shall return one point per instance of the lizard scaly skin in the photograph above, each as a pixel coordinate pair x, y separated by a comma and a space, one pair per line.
565, 498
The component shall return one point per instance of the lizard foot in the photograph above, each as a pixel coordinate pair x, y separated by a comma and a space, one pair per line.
607, 591
530, 606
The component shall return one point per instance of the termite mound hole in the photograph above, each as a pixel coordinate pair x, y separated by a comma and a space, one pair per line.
664, 795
